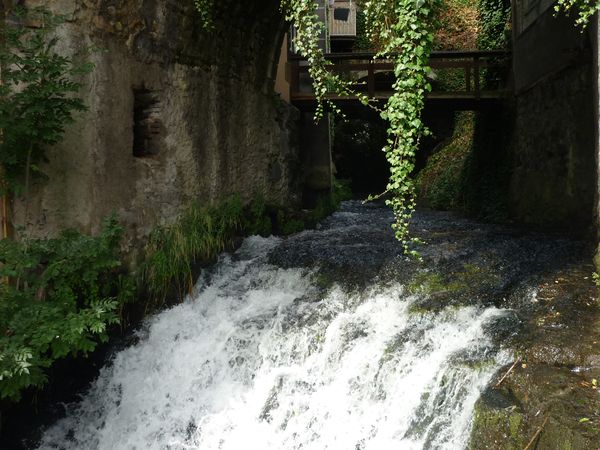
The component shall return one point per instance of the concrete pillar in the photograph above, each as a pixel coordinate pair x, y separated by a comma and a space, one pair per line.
315, 148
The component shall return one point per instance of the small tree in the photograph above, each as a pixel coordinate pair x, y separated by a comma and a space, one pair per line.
37, 97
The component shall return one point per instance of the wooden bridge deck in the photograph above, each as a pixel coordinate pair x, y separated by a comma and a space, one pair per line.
457, 78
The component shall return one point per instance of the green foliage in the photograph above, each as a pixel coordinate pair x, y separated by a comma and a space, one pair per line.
289, 225
362, 41
585, 9
341, 191
57, 298
450, 80
205, 9
36, 97
256, 220
200, 234
494, 19
439, 184
405, 28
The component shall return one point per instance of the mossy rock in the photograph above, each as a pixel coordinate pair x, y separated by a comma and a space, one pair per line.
555, 436
437, 290
538, 397
498, 423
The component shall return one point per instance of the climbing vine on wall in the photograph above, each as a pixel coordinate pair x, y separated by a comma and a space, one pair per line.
404, 31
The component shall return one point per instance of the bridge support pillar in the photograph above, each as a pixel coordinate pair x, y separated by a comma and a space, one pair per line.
315, 148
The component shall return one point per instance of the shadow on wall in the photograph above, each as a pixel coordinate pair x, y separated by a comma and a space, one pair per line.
485, 179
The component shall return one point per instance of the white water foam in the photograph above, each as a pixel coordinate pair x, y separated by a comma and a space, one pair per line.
256, 361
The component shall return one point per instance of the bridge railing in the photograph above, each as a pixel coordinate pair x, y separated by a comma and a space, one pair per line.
455, 74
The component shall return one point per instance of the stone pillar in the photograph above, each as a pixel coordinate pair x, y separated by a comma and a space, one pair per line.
315, 148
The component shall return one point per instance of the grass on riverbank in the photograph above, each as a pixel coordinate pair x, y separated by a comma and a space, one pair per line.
202, 232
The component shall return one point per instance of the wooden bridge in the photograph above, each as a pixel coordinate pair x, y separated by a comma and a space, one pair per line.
461, 80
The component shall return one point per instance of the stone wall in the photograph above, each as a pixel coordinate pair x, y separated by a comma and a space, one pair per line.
553, 174
201, 106
553, 171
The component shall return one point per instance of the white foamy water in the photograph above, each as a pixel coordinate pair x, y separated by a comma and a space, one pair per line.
259, 359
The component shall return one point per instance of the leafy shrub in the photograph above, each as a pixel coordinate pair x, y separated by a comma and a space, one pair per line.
450, 80
362, 43
57, 298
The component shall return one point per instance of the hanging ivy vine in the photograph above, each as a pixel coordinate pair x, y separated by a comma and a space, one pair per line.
403, 30
303, 15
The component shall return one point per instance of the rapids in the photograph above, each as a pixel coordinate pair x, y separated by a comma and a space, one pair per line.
323, 340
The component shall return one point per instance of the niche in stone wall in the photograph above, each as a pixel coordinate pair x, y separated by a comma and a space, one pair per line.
147, 125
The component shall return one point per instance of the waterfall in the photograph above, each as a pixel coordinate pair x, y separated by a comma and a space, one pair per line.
264, 357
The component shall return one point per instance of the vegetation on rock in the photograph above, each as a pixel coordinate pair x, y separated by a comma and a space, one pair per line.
440, 183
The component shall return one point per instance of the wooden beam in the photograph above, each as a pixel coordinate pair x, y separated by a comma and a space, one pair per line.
363, 64
476, 77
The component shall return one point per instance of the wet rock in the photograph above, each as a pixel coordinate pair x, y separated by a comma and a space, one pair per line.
556, 400
554, 355
498, 423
